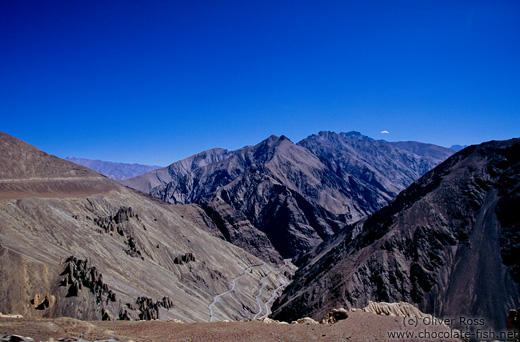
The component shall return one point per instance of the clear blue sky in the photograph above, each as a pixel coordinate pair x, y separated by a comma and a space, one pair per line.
156, 81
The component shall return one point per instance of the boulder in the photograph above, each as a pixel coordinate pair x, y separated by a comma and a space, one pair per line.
335, 315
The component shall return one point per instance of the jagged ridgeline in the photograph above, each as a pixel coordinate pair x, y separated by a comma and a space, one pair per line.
448, 244
290, 197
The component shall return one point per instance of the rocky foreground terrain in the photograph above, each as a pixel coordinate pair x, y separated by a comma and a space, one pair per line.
449, 243
377, 322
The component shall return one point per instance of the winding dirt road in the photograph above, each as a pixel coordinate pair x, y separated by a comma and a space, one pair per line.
282, 283
263, 282
231, 289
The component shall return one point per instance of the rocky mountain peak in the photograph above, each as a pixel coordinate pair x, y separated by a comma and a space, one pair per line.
271, 140
268, 145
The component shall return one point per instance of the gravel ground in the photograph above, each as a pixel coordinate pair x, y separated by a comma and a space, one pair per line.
360, 326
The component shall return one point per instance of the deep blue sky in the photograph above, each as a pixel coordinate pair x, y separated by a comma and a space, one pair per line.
156, 81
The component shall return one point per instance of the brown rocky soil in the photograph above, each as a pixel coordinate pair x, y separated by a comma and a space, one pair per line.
360, 326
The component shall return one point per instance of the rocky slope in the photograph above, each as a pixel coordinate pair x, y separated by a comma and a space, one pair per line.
449, 243
297, 194
75, 243
115, 171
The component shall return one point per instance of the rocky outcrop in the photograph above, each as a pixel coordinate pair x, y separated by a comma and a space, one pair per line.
334, 316
80, 283
445, 244
41, 302
121, 223
184, 259
149, 309
400, 309
78, 273
79, 276
114, 223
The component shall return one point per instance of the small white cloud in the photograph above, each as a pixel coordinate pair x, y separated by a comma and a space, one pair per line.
384, 132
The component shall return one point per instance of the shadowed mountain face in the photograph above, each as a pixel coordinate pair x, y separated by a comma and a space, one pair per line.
297, 194
115, 171
267, 183
75, 243
449, 244
375, 170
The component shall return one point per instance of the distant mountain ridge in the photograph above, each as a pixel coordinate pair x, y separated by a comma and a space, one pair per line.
297, 194
425, 150
449, 243
113, 170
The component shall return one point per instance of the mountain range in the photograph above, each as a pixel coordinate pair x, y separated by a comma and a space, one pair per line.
205, 238
296, 194
449, 244
115, 171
